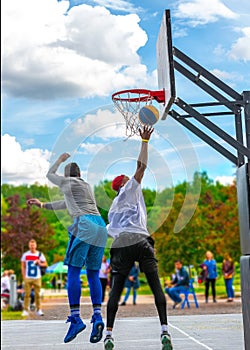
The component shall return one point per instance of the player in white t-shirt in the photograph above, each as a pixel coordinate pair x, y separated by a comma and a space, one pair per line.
31, 261
128, 226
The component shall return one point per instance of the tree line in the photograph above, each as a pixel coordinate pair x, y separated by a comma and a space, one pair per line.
213, 223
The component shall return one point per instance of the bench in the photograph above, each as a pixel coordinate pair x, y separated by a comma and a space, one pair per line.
189, 291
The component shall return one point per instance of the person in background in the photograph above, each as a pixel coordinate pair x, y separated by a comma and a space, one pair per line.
228, 274
5, 281
32, 299
31, 261
21, 295
103, 275
209, 264
53, 283
132, 281
203, 274
65, 282
5, 288
59, 284
179, 284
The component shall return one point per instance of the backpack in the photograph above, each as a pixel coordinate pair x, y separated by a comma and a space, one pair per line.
202, 277
42, 268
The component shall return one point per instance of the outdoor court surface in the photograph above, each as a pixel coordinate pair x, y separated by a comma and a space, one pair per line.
193, 332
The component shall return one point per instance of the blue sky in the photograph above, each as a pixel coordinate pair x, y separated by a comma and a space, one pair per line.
62, 61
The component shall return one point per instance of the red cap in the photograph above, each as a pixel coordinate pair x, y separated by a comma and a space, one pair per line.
117, 182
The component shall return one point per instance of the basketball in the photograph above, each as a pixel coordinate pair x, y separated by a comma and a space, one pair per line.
149, 115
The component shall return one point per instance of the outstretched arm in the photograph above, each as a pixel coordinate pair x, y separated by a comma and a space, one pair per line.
143, 156
56, 205
51, 175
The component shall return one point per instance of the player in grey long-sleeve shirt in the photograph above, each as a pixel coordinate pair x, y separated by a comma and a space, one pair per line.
87, 240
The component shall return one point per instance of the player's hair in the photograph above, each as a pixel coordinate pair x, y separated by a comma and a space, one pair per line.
72, 170
178, 261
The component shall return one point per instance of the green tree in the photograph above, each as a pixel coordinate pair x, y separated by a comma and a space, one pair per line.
220, 213
21, 223
104, 196
214, 225
185, 245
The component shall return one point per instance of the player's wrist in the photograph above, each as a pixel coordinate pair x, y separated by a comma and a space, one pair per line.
41, 205
144, 140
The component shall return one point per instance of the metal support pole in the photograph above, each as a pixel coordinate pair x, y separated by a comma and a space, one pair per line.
245, 296
246, 100
13, 291
243, 207
243, 193
239, 136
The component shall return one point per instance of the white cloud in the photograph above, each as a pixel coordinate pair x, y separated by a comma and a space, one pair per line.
240, 50
230, 77
87, 53
104, 124
28, 142
118, 5
225, 180
179, 32
200, 12
23, 166
220, 51
91, 148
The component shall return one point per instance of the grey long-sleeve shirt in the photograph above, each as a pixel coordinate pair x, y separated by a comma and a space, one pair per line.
78, 196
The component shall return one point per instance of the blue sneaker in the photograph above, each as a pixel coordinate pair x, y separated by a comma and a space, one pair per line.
98, 326
76, 327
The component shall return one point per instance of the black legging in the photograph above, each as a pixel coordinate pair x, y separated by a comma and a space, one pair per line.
207, 283
118, 281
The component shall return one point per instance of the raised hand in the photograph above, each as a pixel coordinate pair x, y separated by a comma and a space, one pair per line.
146, 132
63, 157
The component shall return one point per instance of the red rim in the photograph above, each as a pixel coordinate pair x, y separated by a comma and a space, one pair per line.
143, 95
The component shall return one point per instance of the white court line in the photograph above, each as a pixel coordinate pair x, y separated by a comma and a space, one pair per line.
191, 338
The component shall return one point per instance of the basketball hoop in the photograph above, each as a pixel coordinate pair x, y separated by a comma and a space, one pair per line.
129, 103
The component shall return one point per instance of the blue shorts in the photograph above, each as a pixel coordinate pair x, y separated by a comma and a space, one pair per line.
87, 240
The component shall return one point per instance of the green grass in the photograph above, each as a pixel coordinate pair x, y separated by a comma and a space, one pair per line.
9, 315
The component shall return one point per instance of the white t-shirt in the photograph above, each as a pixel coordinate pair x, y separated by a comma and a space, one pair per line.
103, 269
32, 270
5, 283
128, 211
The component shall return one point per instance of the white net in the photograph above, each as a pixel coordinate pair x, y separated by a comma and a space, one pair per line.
129, 104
